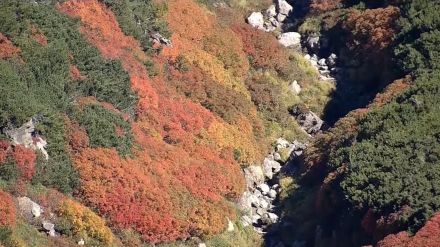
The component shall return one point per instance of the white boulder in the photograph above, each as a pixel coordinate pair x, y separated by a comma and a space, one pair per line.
290, 39
271, 11
256, 20
284, 7
264, 188
295, 88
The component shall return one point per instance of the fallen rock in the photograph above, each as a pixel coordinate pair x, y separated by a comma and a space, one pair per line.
313, 43
230, 226
307, 119
256, 20
271, 11
28, 137
331, 60
246, 220
264, 188
272, 194
295, 88
282, 143
29, 207
254, 175
277, 157
290, 39
158, 38
81, 242
202, 245
322, 62
283, 7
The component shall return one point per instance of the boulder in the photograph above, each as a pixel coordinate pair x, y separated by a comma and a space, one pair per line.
270, 218
272, 194
290, 39
331, 60
246, 220
282, 143
277, 156
271, 11
276, 167
264, 188
230, 226
50, 228
283, 7
256, 20
264, 204
313, 43
322, 62
29, 207
281, 17
81, 242
307, 56
27, 136
202, 245
308, 120
253, 175
255, 218
295, 88
159, 39
267, 168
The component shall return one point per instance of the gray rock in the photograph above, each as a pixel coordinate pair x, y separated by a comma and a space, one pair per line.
276, 167
255, 218
281, 18
313, 43
290, 39
81, 242
202, 245
261, 211
307, 56
277, 156
267, 168
308, 120
273, 218
314, 57
322, 62
264, 188
264, 204
283, 7
230, 227
275, 186
272, 194
29, 207
246, 220
157, 37
256, 20
271, 11
282, 143
28, 137
295, 88
253, 175
331, 60
48, 226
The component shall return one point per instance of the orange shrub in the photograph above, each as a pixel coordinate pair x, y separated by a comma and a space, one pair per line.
263, 48
25, 159
4, 147
7, 49
324, 5
7, 210
373, 29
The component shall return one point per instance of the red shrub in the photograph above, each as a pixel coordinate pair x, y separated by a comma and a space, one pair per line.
7, 49
428, 236
373, 29
25, 159
7, 210
324, 5
264, 49
4, 147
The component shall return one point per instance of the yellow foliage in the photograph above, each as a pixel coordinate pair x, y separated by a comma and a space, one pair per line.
85, 222
237, 137
215, 69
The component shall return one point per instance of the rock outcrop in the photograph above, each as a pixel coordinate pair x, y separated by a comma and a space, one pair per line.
290, 39
271, 19
258, 201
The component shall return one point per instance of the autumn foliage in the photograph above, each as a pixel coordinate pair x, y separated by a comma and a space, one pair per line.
7, 210
25, 159
324, 5
372, 30
7, 49
182, 172
427, 236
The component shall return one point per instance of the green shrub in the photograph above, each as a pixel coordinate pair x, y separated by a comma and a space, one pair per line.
105, 128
